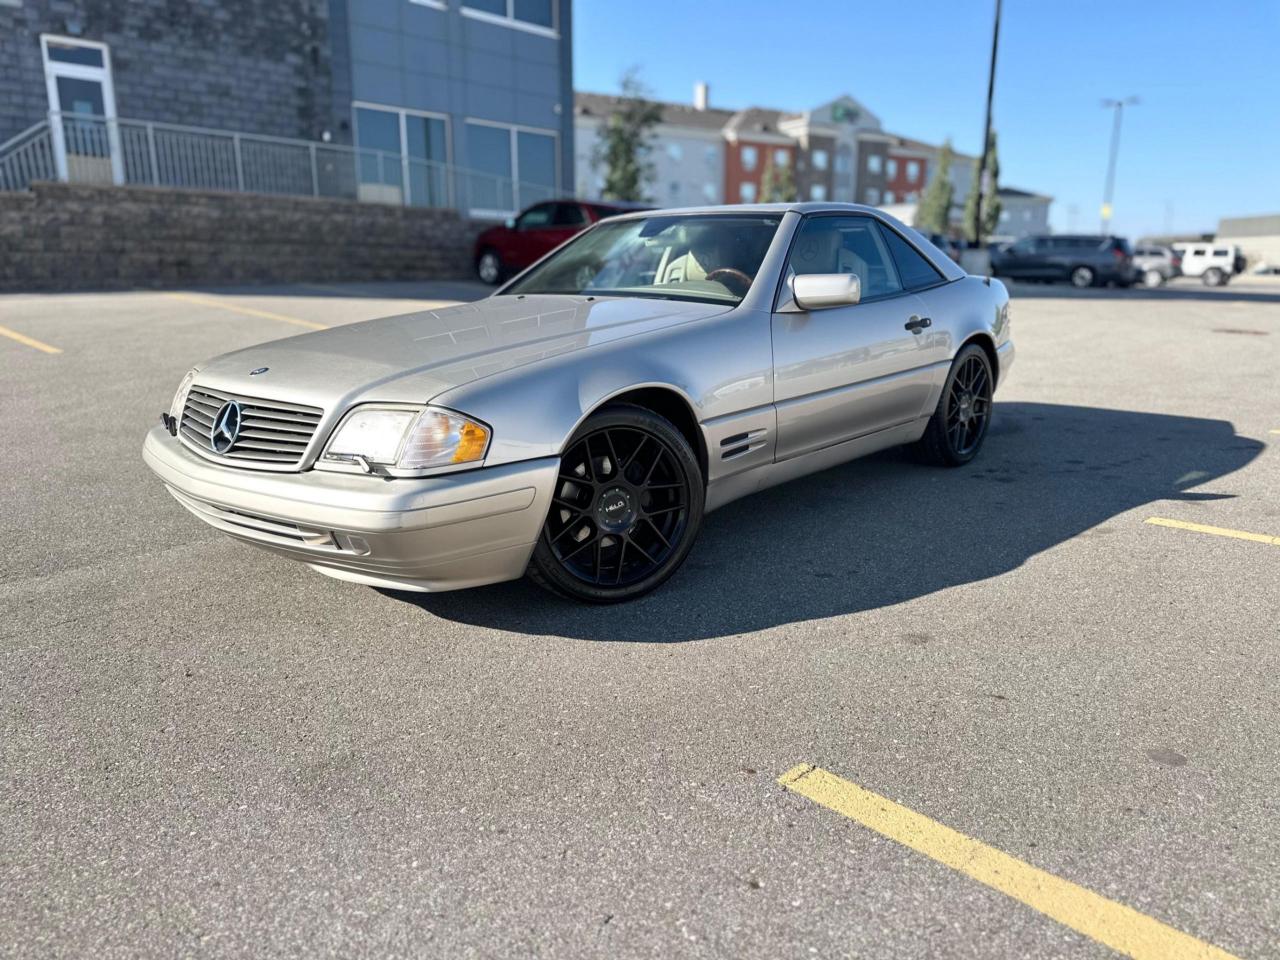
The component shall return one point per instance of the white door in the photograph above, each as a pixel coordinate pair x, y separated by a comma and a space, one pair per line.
82, 110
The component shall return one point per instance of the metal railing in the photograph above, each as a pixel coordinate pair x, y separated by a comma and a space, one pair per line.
81, 148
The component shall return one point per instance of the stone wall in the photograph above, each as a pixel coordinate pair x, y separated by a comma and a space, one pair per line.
247, 65
61, 236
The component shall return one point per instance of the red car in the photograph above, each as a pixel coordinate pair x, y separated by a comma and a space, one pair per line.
508, 249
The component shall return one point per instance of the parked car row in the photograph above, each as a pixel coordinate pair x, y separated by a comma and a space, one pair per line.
1086, 260
1083, 260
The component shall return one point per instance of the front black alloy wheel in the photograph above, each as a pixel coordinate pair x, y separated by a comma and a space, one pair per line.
625, 511
959, 424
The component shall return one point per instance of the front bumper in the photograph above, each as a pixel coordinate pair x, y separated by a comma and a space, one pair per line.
436, 533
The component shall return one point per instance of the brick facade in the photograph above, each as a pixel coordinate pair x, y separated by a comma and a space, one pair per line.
75, 236
240, 65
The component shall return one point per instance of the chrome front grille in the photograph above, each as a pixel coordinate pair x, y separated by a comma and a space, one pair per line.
272, 433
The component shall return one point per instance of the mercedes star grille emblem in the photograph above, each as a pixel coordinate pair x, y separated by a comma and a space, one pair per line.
226, 427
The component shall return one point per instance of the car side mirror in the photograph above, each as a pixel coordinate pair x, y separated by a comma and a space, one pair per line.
509, 223
815, 291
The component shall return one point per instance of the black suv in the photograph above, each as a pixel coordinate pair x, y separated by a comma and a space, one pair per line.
1082, 260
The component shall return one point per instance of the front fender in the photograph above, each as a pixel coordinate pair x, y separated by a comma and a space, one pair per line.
718, 366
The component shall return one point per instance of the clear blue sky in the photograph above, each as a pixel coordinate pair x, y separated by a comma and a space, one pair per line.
1204, 143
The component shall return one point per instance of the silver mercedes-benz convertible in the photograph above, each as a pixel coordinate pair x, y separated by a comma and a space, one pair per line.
578, 424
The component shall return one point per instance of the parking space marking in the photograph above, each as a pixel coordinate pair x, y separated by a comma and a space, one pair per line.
1216, 531
1113, 924
247, 311
28, 341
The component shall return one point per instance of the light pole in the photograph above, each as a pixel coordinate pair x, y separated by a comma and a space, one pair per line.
1118, 106
975, 228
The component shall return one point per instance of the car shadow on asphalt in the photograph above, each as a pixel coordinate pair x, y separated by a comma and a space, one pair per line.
884, 530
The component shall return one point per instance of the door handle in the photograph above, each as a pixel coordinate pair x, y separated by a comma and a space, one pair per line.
916, 324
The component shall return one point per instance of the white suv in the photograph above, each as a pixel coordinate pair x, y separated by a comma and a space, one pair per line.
1214, 264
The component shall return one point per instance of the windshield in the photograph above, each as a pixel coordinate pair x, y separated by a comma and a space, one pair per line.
712, 258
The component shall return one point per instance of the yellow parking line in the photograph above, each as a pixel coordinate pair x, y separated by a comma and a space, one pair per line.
1113, 924
27, 341
1216, 531
1273, 431
247, 311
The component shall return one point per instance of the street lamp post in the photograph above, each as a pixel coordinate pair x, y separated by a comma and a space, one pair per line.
1118, 106
975, 228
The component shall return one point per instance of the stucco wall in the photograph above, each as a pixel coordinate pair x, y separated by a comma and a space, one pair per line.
71, 236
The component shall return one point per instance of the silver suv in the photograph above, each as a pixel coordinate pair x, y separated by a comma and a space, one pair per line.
1155, 265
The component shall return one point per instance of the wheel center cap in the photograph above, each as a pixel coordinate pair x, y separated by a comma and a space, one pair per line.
615, 510
966, 407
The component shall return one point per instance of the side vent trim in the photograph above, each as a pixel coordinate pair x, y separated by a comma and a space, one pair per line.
742, 443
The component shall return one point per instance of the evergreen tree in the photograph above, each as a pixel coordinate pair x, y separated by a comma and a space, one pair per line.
990, 202
933, 215
625, 142
777, 185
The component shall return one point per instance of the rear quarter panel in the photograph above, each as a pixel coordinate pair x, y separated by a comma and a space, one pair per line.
971, 308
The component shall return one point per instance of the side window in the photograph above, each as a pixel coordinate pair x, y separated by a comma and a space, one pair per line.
846, 245
913, 270
534, 217
569, 215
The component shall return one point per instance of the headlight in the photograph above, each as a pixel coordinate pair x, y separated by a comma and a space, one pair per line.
408, 439
180, 398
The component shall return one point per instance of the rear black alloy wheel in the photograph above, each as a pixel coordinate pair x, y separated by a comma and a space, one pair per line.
959, 424
626, 508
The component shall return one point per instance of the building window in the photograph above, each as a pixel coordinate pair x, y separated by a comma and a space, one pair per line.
891, 168
535, 16
911, 196
747, 193
873, 195
819, 159
781, 158
674, 188
749, 158
713, 156
709, 192
889, 197
1004, 216
818, 191
874, 163
913, 171
508, 168
675, 152
403, 156
1026, 215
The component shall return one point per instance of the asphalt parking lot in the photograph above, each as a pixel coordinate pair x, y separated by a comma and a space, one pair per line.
208, 751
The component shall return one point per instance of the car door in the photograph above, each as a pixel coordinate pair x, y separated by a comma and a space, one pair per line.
848, 371
1016, 257
531, 235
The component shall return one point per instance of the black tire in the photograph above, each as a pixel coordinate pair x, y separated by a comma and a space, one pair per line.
489, 266
958, 427
1213, 277
1082, 277
627, 507
1153, 278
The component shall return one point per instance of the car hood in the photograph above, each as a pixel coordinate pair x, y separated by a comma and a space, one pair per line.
413, 357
